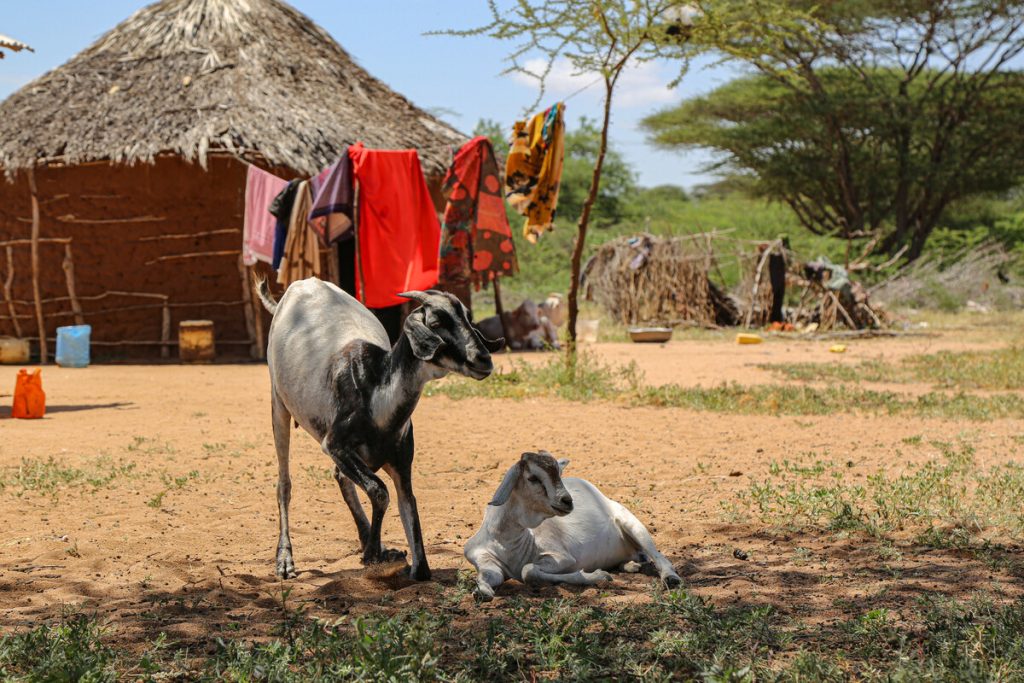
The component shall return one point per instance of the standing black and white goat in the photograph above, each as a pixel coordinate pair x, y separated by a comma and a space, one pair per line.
333, 371
540, 527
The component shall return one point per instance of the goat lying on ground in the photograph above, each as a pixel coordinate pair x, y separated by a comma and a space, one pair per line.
540, 527
520, 327
528, 326
333, 371
552, 315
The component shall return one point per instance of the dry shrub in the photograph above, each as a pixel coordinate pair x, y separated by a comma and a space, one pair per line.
972, 274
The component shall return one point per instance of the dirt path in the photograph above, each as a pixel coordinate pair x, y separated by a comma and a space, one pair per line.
171, 523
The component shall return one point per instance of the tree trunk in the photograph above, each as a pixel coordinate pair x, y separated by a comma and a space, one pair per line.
581, 228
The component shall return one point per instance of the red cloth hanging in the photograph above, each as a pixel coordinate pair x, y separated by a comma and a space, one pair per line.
476, 240
399, 233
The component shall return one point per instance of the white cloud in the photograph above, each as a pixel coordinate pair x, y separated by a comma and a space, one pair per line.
641, 84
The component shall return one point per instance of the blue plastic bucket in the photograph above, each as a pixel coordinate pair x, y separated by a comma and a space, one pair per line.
73, 346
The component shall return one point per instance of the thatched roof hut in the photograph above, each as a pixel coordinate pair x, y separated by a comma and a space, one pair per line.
138, 143
250, 77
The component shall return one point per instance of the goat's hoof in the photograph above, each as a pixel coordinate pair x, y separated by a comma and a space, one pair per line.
385, 556
285, 568
672, 581
392, 555
480, 595
599, 576
420, 573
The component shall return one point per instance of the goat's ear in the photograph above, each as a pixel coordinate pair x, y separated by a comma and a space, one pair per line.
562, 464
422, 339
507, 485
492, 345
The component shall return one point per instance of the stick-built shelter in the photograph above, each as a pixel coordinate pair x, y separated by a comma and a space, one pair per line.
125, 168
670, 280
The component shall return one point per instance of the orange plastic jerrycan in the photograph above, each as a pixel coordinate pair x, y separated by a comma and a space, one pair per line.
29, 397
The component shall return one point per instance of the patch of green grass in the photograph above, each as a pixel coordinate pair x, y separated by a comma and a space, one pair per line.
69, 650
948, 501
171, 483
1002, 369
676, 636
560, 376
147, 446
51, 475
396, 649
586, 379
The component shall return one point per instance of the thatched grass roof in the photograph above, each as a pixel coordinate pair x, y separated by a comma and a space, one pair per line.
8, 43
249, 77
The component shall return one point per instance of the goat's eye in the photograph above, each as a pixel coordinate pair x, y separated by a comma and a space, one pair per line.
532, 479
438, 319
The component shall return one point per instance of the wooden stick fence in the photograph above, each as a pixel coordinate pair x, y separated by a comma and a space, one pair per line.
250, 307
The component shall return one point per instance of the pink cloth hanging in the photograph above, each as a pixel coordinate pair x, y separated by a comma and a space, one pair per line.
258, 226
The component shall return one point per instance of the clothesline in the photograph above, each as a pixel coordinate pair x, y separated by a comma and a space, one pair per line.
287, 223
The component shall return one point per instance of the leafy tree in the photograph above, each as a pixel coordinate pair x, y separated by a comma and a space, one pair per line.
618, 179
602, 37
874, 120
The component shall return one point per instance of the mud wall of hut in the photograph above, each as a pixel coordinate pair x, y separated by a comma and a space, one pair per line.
163, 233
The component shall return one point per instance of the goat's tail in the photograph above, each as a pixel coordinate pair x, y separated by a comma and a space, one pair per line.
263, 291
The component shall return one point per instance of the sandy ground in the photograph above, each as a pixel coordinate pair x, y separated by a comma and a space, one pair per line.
182, 540
708, 364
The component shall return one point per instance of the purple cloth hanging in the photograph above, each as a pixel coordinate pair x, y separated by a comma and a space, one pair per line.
333, 200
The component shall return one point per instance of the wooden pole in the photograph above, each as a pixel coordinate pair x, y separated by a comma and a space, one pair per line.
69, 276
40, 323
258, 319
500, 309
165, 331
360, 280
8, 282
332, 264
757, 282
250, 324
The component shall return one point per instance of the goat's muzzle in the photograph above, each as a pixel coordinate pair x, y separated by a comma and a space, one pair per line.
564, 506
480, 368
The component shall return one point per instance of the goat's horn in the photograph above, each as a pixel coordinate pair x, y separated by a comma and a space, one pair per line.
415, 296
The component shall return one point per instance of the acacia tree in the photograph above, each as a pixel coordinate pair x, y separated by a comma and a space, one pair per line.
601, 38
874, 120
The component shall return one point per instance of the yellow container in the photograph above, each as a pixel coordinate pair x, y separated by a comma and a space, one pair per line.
195, 341
13, 351
743, 338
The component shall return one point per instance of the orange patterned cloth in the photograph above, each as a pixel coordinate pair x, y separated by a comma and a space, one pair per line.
533, 171
476, 240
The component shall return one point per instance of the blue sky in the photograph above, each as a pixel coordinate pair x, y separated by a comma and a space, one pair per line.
458, 78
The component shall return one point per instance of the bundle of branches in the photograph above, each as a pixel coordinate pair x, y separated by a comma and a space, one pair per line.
648, 279
831, 298
754, 290
975, 273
